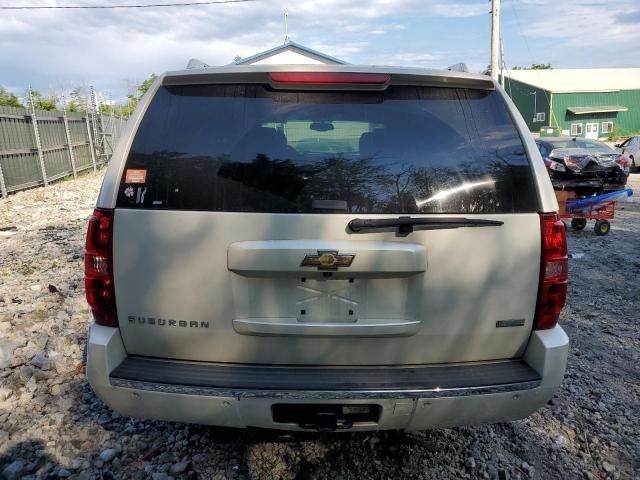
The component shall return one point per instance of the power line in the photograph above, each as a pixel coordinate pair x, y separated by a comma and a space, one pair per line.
102, 7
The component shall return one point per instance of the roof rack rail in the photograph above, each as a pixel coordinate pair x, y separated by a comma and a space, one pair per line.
194, 63
458, 67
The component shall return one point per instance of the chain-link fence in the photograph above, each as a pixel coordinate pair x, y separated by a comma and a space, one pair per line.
37, 147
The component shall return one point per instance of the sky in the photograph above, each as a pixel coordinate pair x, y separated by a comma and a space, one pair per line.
57, 50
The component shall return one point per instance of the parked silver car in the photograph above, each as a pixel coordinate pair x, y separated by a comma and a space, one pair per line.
631, 148
326, 248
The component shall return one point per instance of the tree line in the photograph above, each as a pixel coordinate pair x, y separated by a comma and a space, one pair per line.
76, 100
534, 66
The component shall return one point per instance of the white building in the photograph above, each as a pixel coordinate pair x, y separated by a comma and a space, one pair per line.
289, 53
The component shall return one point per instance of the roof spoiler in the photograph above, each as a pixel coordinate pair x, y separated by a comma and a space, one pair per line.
199, 74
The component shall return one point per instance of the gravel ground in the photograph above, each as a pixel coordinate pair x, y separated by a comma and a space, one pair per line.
53, 426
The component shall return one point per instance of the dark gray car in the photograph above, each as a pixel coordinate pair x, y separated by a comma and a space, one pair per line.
584, 166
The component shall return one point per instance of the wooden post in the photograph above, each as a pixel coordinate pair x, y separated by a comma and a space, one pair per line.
91, 146
69, 146
36, 133
103, 134
113, 132
3, 186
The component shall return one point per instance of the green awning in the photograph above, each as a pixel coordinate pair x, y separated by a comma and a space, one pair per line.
606, 109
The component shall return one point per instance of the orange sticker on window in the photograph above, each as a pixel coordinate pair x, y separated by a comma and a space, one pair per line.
135, 176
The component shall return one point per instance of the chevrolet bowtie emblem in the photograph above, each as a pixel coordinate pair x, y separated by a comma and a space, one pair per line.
327, 260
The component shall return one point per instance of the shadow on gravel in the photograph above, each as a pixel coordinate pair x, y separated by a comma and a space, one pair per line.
12, 465
145, 447
96, 442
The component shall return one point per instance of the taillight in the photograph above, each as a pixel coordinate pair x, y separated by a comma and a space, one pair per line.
623, 162
320, 78
98, 268
554, 269
557, 166
571, 163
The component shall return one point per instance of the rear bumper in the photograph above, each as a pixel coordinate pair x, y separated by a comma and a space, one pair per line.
409, 398
608, 183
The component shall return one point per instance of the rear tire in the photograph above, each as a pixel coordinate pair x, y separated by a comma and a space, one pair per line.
578, 223
602, 227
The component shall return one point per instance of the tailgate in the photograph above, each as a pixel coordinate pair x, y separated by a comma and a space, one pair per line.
209, 287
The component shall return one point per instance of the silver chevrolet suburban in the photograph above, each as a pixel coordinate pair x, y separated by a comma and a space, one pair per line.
326, 248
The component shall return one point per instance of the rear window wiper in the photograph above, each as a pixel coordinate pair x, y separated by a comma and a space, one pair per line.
405, 224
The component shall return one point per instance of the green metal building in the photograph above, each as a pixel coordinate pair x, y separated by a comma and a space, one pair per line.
592, 103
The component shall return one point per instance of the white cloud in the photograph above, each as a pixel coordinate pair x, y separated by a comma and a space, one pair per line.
586, 33
58, 49
343, 50
373, 27
427, 60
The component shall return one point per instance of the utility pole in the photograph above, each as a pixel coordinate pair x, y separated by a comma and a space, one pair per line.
495, 38
502, 64
286, 26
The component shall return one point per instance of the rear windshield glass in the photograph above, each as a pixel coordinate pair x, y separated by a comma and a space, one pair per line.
249, 148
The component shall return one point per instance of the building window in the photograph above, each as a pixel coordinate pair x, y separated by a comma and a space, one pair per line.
540, 117
576, 129
607, 127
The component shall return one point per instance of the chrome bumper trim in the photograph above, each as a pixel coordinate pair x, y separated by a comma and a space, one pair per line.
323, 395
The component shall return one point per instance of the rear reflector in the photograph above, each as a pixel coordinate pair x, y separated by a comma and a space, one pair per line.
552, 291
98, 268
324, 78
